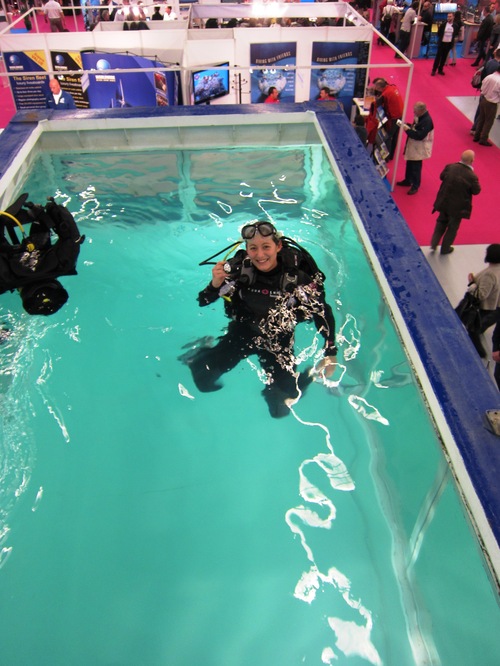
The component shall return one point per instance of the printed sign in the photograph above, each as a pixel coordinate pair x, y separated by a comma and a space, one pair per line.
264, 62
117, 90
343, 82
64, 62
28, 86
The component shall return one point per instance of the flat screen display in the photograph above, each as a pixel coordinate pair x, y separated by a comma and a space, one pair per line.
210, 83
446, 7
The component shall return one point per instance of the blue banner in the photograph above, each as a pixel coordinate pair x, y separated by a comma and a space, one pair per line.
107, 90
342, 82
263, 61
28, 87
64, 62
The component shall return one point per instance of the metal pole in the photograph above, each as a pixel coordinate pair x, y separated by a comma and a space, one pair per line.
400, 135
5, 10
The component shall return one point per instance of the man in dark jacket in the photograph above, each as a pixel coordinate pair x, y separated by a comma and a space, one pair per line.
454, 200
447, 33
426, 14
483, 35
419, 142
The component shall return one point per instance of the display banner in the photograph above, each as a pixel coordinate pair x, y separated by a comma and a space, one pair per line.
263, 61
107, 90
64, 62
28, 87
343, 83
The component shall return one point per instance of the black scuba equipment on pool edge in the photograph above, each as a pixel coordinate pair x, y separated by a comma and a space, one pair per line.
33, 265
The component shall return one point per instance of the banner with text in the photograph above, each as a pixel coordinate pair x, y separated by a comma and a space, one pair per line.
107, 90
343, 82
30, 83
263, 61
65, 62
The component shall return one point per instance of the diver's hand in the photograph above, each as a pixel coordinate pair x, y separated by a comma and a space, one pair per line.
327, 366
219, 275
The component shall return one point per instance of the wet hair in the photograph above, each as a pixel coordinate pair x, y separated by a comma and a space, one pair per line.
493, 254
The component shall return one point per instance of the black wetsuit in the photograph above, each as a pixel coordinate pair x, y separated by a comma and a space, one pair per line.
263, 316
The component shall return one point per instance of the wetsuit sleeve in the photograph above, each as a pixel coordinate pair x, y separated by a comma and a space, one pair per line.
67, 247
209, 295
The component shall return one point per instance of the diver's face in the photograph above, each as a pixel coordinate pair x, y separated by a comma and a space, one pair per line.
263, 252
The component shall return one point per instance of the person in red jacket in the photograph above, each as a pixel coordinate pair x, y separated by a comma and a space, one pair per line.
389, 97
272, 96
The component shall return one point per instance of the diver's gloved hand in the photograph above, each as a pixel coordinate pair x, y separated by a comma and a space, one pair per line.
63, 221
37, 213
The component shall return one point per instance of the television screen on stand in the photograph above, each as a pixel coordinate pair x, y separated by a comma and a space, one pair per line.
210, 83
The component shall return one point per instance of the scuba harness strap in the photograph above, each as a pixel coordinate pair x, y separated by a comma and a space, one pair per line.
294, 257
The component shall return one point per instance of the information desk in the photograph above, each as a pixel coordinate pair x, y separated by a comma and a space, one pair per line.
470, 36
417, 32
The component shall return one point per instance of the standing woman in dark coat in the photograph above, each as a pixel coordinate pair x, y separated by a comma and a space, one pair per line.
454, 200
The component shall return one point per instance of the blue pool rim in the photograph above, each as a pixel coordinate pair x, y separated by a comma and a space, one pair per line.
460, 382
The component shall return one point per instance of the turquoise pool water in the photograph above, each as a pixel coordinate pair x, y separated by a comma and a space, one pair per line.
145, 523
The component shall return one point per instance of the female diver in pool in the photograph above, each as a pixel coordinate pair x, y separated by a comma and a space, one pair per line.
267, 291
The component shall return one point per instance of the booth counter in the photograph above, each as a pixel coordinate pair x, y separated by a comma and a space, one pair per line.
470, 36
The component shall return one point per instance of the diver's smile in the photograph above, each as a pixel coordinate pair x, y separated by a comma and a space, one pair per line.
263, 252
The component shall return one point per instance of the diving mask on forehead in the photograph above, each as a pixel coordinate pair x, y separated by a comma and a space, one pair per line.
263, 228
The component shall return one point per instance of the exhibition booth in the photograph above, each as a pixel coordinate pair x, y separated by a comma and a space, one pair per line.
297, 48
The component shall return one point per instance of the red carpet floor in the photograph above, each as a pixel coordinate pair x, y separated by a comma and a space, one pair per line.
452, 137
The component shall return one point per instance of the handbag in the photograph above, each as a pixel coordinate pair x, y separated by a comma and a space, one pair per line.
469, 312
477, 79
